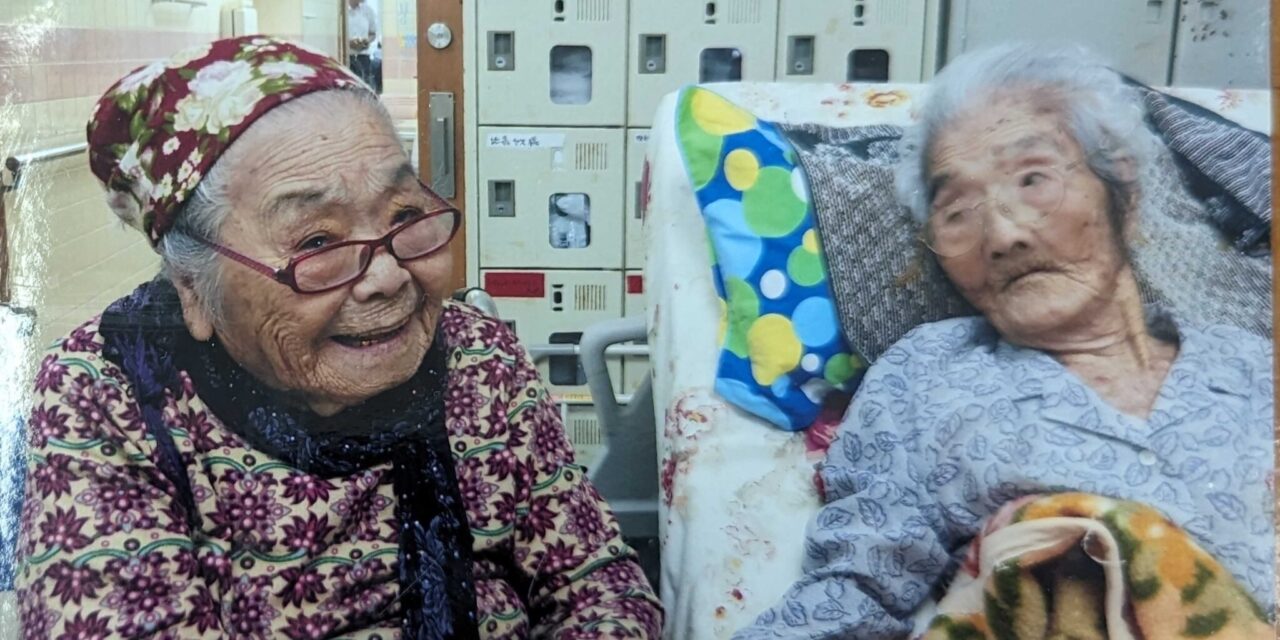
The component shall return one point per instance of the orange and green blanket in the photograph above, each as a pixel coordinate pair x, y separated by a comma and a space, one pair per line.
1077, 566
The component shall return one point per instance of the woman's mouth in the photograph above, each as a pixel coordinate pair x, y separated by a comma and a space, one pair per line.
1023, 276
370, 339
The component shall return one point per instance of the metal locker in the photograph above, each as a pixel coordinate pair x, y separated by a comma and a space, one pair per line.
1222, 44
551, 198
852, 40
1134, 36
637, 145
549, 310
678, 42
550, 62
634, 368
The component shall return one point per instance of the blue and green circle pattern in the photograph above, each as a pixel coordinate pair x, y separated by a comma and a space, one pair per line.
782, 347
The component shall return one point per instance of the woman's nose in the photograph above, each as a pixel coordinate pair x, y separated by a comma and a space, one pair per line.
385, 277
1004, 235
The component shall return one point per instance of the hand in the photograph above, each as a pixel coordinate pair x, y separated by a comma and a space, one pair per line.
359, 44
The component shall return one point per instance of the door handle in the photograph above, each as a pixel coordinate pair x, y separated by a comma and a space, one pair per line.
440, 112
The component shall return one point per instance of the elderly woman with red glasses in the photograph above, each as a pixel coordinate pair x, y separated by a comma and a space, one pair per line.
292, 432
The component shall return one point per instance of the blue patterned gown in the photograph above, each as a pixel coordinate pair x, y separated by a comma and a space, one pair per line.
952, 422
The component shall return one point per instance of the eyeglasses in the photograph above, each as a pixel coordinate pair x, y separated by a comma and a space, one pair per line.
958, 228
339, 264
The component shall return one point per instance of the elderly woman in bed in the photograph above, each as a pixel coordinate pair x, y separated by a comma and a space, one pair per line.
293, 433
1026, 174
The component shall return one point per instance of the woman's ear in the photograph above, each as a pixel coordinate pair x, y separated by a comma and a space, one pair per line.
194, 311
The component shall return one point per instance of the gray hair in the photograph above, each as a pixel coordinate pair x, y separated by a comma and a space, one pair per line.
183, 256
1102, 113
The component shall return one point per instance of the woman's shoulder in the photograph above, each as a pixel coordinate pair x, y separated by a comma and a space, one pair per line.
478, 335
86, 338
77, 385
933, 354
1228, 338
1226, 346
76, 355
942, 340
464, 325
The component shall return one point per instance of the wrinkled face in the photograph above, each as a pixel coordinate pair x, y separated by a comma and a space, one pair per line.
298, 183
1044, 255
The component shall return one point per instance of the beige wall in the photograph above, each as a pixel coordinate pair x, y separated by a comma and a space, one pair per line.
316, 23
280, 17
400, 59
321, 24
70, 256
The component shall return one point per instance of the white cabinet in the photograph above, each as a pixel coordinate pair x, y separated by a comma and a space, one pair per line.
551, 63
551, 308
551, 198
852, 40
1222, 44
679, 42
1136, 36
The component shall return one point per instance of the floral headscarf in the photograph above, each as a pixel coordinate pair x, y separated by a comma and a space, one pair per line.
157, 131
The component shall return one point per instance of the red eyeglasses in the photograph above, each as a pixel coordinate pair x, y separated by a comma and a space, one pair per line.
339, 264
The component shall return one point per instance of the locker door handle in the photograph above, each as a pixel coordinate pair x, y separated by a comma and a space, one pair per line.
440, 111
800, 55
653, 53
502, 51
502, 199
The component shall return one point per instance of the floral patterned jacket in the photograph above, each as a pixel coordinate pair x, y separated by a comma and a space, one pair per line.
105, 551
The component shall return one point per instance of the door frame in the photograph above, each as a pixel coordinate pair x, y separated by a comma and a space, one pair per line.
441, 70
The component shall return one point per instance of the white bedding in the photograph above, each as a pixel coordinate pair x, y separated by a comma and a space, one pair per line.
738, 493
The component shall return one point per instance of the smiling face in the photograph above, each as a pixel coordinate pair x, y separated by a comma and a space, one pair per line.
1045, 256
301, 178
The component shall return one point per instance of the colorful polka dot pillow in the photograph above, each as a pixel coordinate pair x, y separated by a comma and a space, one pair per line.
783, 351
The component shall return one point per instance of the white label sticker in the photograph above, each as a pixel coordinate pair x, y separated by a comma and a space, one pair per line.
641, 138
525, 140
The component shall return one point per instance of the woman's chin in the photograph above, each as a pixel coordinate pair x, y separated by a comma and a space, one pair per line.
1033, 319
368, 368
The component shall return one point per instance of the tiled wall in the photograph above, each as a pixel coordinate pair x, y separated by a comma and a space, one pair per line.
69, 254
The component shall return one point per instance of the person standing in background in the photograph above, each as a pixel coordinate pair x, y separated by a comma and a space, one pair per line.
362, 33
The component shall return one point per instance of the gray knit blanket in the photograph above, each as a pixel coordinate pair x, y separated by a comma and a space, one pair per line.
885, 282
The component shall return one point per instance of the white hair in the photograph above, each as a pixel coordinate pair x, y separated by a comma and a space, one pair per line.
1104, 115
183, 257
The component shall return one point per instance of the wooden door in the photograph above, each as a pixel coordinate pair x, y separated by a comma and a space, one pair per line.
440, 71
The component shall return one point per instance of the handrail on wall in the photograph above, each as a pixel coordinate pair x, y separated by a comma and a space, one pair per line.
14, 166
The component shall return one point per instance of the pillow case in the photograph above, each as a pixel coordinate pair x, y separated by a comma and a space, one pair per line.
885, 282
783, 351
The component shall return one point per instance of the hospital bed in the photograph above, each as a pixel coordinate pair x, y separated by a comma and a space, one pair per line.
732, 495
735, 493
